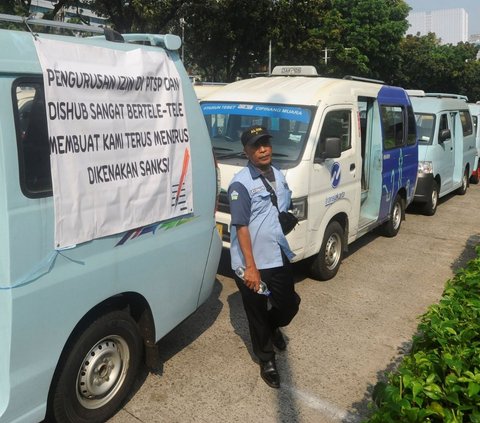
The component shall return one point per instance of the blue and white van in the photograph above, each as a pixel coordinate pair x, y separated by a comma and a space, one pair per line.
475, 112
446, 146
347, 147
77, 322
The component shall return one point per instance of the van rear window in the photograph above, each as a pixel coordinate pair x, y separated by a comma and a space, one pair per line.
32, 138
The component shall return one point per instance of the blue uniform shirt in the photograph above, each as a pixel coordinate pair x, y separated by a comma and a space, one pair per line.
250, 204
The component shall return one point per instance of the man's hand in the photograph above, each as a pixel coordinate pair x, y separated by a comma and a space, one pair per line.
252, 278
252, 275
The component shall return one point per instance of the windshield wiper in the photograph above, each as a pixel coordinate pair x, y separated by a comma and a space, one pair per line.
232, 155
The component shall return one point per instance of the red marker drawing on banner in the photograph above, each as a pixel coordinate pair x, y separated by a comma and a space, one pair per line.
186, 159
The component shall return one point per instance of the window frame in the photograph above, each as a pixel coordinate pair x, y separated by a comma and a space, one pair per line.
383, 113
321, 146
47, 191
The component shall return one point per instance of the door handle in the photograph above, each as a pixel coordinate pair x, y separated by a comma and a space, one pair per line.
352, 166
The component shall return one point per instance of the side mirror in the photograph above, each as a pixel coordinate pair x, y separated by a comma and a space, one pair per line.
444, 135
333, 148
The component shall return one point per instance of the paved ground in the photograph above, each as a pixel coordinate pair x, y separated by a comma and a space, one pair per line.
349, 331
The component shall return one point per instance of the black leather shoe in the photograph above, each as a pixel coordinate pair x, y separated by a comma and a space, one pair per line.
269, 373
278, 340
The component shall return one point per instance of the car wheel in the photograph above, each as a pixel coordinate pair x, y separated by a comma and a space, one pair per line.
97, 371
392, 226
327, 262
463, 189
474, 178
430, 206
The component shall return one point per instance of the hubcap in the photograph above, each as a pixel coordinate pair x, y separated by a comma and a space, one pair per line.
333, 251
102, 372
397, 216
434, 199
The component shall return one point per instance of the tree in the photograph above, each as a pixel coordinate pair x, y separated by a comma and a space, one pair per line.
15, 7
426, 64
299, 32
373, 29
227, 39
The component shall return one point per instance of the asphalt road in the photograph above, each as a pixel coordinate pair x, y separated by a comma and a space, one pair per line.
348, 333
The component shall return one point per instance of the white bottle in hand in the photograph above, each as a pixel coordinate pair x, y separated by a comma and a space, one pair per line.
263, 289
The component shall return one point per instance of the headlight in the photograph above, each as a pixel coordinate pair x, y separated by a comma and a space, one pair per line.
425, 167
300, 208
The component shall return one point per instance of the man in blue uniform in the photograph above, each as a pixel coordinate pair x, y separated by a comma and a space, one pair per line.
259, 245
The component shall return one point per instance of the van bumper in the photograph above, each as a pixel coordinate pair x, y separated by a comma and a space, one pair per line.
423, 191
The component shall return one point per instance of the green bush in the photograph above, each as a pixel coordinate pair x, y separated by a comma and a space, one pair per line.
439, 380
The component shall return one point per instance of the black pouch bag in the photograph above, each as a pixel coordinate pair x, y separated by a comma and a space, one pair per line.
287, 220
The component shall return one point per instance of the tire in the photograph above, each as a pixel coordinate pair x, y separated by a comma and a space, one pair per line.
392, 226
327, 262
430, 207
98, 371
474, 178
463, 189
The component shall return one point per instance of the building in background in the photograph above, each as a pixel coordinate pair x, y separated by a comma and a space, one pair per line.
450, 25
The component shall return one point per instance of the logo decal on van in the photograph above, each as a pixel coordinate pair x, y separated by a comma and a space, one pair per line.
335, 175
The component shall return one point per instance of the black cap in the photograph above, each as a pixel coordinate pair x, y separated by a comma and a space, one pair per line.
253, 134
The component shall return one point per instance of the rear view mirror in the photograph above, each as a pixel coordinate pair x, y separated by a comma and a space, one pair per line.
444, 135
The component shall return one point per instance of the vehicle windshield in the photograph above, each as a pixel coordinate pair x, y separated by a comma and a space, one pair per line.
289, 126
425, 127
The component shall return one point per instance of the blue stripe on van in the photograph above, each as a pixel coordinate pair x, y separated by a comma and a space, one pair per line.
281, 111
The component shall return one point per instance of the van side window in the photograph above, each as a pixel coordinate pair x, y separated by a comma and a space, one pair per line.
393, 126
466, 120
443, 124
412, 127
32, 139
337, 124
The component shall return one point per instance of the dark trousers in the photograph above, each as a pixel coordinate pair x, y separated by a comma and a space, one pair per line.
262, 319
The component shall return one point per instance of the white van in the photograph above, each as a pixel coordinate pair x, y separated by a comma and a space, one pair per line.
446, 146
203, 89
347, 147
77, 319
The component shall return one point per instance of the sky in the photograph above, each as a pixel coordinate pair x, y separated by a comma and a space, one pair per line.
471, 6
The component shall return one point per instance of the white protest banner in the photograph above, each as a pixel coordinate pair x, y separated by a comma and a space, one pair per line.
119, 141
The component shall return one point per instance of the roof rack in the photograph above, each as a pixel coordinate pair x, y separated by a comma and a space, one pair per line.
447, 95
360, 78
169, 41
45, 22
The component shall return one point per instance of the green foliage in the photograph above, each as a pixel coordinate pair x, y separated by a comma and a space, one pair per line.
15, 7
439, 381
426, 64
373, 29
228, 39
